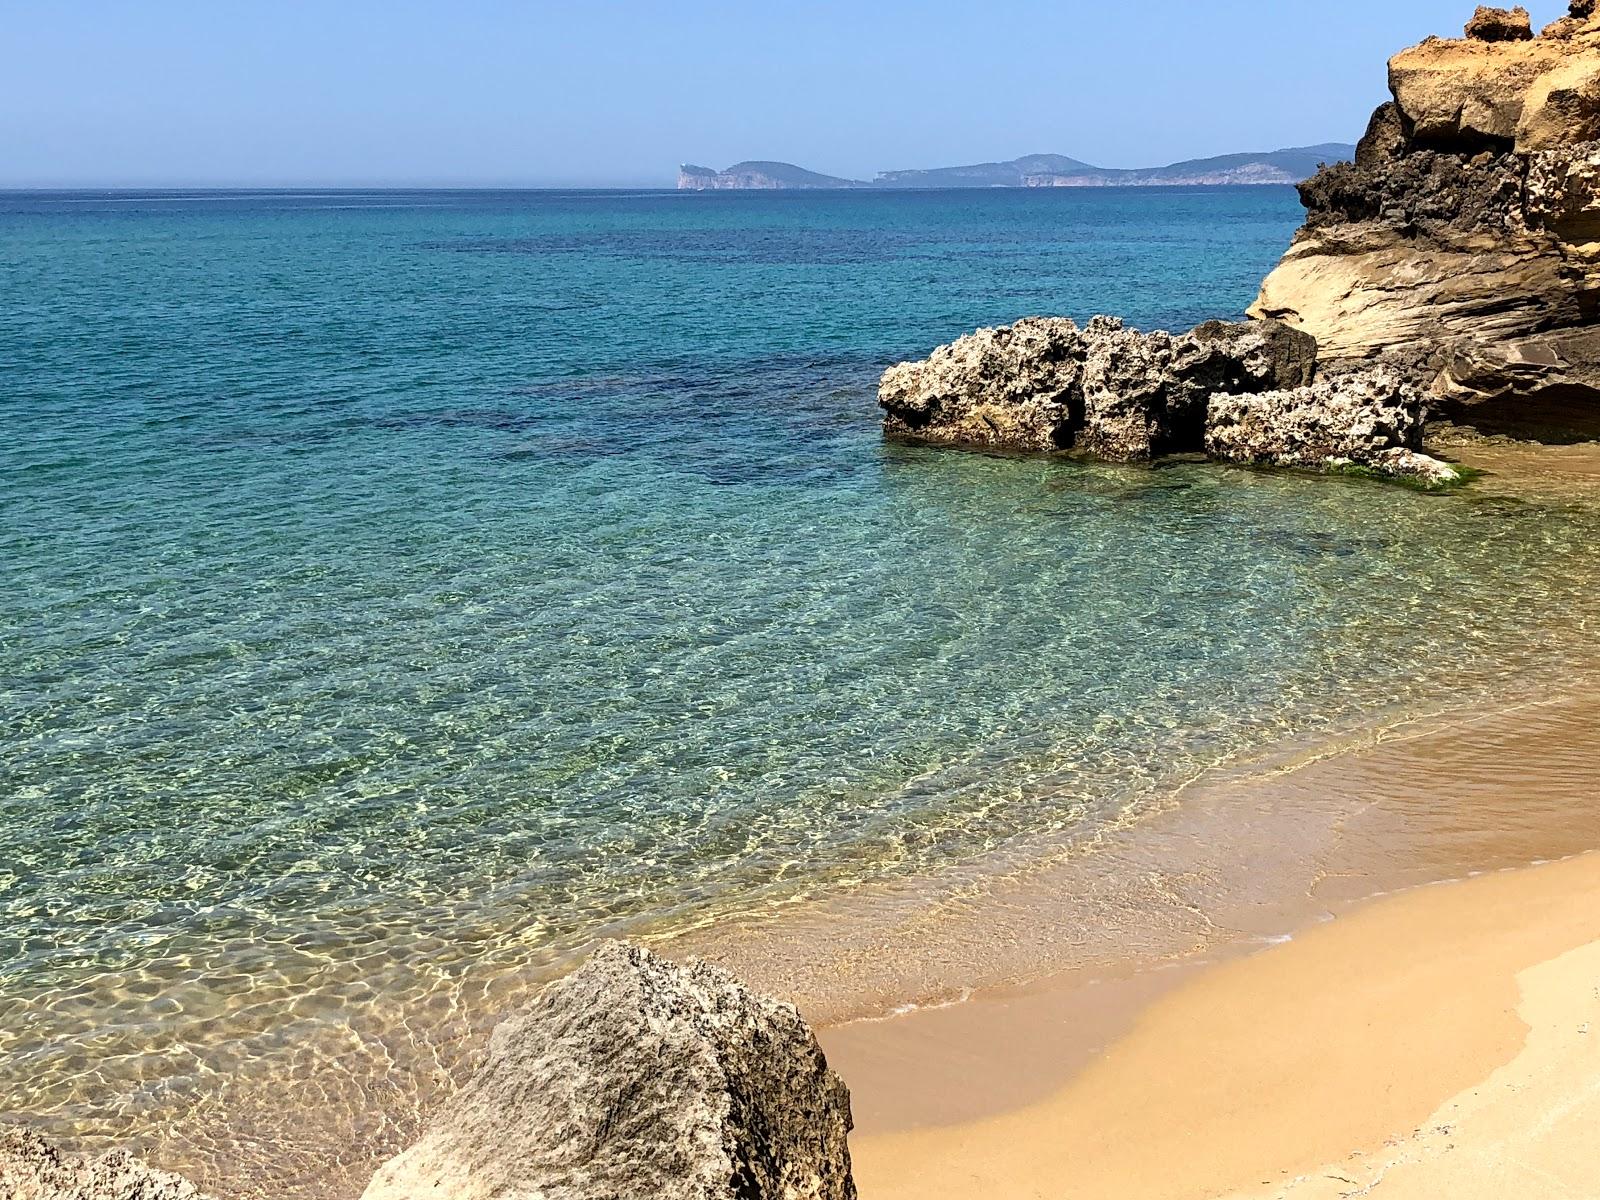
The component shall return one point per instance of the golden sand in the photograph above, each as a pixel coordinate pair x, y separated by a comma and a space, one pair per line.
1445, 1041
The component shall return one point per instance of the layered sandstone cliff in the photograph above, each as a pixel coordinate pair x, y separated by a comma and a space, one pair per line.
1463, 243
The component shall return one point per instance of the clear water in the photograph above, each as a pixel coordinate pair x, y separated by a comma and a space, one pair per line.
403, 590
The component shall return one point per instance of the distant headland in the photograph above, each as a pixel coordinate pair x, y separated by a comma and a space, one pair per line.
1290, 165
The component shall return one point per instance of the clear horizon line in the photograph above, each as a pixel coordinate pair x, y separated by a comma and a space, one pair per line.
854, 186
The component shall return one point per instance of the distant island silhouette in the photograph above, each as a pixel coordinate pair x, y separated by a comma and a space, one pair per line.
1289, 165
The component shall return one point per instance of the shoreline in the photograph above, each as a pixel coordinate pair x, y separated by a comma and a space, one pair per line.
1427, 1037
1490, 790
1467, 823
1244, 852
1073, 943
1237, 857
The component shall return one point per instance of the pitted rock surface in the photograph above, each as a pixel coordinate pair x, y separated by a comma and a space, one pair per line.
639, 1079
1105, 389
33, 1169
1354, 418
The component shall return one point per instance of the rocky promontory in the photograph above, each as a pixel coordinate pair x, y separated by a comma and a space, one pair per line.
1462, 245
1241, 391
761, 176
1451, 270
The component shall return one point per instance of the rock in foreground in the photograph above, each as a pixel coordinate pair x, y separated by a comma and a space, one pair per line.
638, 1079
32, 1169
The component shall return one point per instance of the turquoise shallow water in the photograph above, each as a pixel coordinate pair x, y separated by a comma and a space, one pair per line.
404, 589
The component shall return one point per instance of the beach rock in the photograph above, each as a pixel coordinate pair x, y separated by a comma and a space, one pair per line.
638, 1079
32, 1169
1009, 386
1106, 389
1126, 375
1500, 24
1462, 246
1355, 418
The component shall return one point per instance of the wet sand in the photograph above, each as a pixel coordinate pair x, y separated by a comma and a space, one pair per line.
1441, 1042
1235, 859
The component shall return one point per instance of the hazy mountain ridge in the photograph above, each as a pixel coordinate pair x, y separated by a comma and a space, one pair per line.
1288, 165
759, 175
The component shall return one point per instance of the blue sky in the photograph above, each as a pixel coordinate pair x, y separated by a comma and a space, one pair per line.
617, 92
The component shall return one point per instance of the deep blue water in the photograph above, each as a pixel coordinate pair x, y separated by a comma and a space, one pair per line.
403, 589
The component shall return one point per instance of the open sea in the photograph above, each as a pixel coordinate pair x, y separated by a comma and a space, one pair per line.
403, 590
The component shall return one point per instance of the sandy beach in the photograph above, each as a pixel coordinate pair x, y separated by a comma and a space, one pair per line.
1426, 1024
1439, 1042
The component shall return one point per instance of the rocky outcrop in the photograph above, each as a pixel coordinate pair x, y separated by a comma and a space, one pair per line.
32, 1169
1370, 418
1045, 384
1459, 250
1500, 25
1242, 392
1462, 245
638, 1079
1008, 386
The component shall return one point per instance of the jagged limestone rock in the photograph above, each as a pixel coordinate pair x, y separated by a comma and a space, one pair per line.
639, 1079
1354, 418
1008, 386
32, 1169
1045, 384
1126, 377
1500, 24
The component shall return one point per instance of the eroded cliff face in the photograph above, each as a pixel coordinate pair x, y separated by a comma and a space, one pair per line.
1462, 245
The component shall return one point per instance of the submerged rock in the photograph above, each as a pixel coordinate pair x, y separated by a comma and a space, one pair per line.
1358, 418
639, 1079
32, 1169
1463, 244
1045, 384
1419, 468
